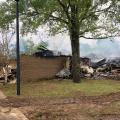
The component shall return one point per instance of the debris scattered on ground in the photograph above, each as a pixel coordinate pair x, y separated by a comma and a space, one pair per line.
11, 75
64, 73
98, 70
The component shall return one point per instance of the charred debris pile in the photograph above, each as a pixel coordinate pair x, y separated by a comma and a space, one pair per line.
107, 69
104, 68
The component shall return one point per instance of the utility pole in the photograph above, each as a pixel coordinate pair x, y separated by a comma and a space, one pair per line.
17, 49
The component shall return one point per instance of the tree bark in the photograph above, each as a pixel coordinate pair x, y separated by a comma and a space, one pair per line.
75, 58
74, 36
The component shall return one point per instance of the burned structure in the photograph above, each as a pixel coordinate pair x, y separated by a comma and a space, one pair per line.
107, 69
85, 65
47, 66
7, 72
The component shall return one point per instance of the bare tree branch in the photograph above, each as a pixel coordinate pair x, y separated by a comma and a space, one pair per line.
65, 9
58, 19
105, 37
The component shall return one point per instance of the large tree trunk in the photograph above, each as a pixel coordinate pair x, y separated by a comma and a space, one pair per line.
74, 36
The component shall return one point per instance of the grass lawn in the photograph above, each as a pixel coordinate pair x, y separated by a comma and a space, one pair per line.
35, 107
64, 88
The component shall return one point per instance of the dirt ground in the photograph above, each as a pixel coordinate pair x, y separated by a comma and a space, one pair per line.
80, 107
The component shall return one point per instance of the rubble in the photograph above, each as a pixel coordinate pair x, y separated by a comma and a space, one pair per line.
86, 70
98, 64
103, 69
64, 73
109, 69
11, 75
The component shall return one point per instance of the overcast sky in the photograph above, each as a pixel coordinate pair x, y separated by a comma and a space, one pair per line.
2, 0
61, 42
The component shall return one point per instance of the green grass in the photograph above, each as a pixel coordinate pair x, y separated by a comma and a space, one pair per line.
65, 88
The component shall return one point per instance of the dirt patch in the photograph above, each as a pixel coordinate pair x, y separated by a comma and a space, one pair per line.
109, 117
9, 113
2, 96
78, 108
98, 100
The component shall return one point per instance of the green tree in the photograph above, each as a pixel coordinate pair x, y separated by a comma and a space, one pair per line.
80, 18
42, 46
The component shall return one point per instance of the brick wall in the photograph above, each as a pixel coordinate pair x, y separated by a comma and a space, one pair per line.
33, 68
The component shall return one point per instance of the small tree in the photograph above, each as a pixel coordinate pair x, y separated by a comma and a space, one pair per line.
5, 42
42, 46
3, 64
5, 50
